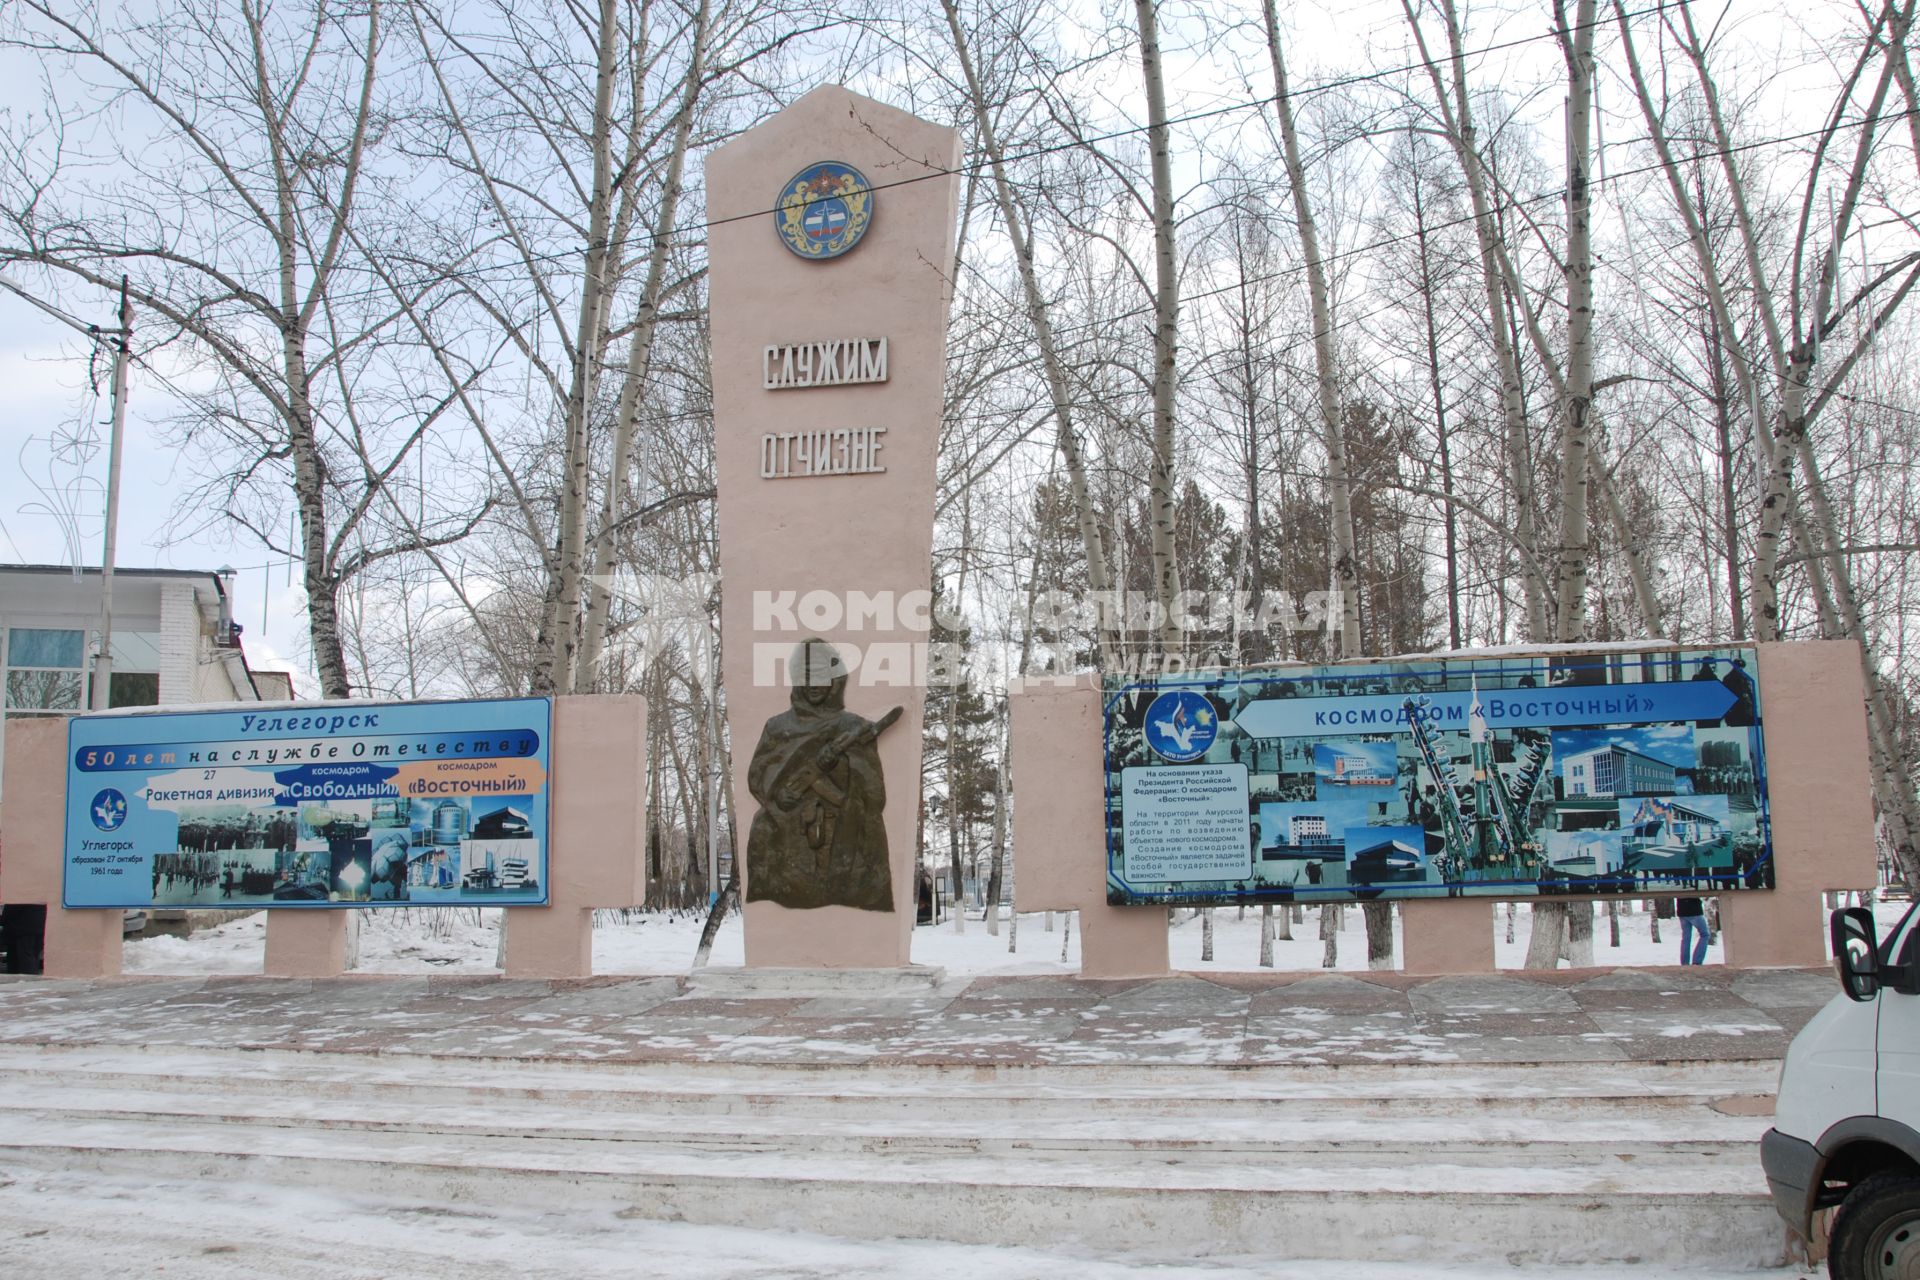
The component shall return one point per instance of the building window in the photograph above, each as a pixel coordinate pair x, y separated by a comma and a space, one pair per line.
48, 670
134, 689
45, 670
136, 669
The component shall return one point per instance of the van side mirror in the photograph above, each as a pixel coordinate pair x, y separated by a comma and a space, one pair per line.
1856, 952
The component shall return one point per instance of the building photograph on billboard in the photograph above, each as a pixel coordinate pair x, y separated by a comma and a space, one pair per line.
368, 805
1499, 776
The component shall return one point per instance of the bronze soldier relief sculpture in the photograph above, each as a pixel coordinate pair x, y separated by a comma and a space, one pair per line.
818, 839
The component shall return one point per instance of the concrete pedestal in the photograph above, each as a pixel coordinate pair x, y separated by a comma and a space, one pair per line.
1447, 935
308, 943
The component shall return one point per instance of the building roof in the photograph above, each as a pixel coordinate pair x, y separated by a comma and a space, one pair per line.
274, 686
118, 571
1390, 845
234, 653
1625, 751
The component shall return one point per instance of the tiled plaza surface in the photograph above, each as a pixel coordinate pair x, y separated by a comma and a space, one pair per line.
1225, 1019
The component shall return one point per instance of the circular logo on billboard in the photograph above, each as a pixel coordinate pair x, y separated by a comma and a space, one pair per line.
109, 810
1181, 725
824, 210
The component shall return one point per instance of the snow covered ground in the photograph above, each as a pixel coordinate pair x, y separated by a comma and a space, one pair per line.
463, 940
53, 1226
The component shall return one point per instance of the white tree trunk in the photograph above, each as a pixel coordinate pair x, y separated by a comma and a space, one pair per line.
559, 639
1346, 565
1066, 435
1162, 493
639, 366
1456, 115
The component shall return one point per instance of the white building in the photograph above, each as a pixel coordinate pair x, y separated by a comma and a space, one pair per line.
174, 641
1614, 770
1307, 828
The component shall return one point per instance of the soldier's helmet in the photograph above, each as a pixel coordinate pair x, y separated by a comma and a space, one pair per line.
815, 664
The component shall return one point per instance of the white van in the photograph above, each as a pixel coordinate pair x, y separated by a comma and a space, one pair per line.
1847, 1122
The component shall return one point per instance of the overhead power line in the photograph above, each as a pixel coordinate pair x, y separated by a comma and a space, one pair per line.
978, 160
90, 330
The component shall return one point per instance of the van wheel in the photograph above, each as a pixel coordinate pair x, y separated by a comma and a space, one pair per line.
1876, 1234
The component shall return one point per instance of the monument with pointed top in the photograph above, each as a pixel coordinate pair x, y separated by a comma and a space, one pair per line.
830, 273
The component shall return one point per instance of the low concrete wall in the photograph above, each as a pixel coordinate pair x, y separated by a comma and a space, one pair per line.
596, 855
1820, 801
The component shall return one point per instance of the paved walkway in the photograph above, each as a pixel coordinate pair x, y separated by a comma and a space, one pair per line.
1643, 1015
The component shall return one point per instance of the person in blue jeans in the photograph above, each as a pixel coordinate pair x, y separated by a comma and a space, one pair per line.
1693, 930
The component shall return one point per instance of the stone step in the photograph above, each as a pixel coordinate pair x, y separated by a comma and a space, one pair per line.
1667, 1113
1541, 1145
1580, 1164
1067, 1108
1432, 1208
1408, 1089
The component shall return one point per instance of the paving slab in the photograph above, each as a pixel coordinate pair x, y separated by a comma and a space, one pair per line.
728, 980
1786, 988
971, 1010
624, 998
1656, 999
1487, 994
870, 1007
1180, 996
1311, 1036
1472, 1024
1648, 980
1028, 989
1705, 1048
665, 1023
1685, 1023
1570, 1049
1333, 991
1565, 1016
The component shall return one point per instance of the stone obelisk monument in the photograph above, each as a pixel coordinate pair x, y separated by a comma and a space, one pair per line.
831, 257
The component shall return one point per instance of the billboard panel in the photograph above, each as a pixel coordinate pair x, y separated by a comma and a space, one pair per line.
1540, 772
360, 805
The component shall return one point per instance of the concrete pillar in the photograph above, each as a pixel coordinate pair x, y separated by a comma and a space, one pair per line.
306, 943
79, 944
1055, 736
597, 814
803, 547
1447, 935
1820, 790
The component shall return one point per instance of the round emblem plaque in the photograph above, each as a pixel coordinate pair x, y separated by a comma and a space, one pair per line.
109, 810
824, 210
1181, 725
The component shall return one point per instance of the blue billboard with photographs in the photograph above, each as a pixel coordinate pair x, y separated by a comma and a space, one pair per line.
327, 805
1535, 773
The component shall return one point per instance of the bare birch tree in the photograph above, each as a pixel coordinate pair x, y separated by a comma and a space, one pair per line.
247, 140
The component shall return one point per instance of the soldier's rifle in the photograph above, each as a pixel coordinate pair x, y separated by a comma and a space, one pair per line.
812, 775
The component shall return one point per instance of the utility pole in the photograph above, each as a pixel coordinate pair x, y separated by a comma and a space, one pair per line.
121, 339
102, 696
